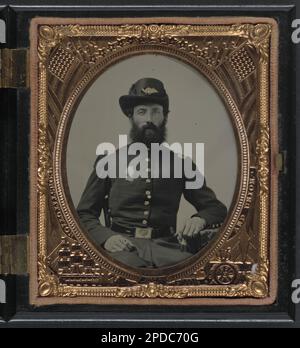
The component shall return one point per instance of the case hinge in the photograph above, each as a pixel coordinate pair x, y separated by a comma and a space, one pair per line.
281, 162
13, 254
14, 68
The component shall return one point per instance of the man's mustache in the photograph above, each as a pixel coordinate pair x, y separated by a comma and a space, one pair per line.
150, 125
148, 133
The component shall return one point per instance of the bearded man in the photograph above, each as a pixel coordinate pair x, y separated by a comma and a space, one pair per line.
141, 213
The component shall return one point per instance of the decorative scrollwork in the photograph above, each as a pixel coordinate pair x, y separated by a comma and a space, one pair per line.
262, 152
258, 281
159, 31
258, 37
210, 51
48, 284
219, 48
48, 38
152, 290
43, 159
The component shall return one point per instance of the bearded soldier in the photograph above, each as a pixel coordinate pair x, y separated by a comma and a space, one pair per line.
141, 213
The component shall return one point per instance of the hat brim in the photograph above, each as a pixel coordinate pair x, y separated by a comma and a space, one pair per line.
127, 102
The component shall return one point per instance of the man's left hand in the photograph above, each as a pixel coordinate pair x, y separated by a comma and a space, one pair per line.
192, 227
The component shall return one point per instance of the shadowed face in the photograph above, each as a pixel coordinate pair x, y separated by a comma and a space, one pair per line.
148, 124
150, 113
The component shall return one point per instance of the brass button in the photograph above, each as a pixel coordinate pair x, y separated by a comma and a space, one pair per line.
148, 181
146, 212
146, 203
144, 222
148, 193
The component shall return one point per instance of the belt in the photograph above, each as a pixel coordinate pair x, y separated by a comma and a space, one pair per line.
143, 232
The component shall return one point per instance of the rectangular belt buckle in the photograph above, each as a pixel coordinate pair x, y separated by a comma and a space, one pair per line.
143, 232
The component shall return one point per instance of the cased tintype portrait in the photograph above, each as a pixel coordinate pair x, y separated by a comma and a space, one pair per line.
133, 206
154, 147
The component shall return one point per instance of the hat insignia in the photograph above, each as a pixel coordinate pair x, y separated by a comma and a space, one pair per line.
149, 91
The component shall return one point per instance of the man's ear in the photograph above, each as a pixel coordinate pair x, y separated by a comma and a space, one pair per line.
166, 117
129, 113
130, 118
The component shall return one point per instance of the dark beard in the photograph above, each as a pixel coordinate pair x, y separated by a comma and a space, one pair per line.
149, 134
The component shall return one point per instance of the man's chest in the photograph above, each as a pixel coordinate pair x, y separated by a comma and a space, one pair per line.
146, 189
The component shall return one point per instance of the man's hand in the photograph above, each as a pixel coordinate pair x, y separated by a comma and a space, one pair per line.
192, 227
118, 243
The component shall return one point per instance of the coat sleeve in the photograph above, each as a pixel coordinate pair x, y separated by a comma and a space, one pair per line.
206, 203
90, 207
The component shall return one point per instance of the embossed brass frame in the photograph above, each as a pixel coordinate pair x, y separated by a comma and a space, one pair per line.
239, 57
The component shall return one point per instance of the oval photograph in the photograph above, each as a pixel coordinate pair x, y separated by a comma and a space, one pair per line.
152, 162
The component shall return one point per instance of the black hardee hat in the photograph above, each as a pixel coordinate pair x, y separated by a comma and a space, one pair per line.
146, 90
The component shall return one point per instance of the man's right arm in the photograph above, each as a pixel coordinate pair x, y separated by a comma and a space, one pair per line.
90, 206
